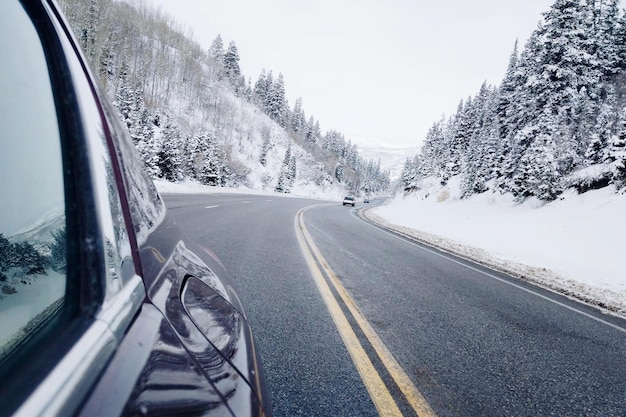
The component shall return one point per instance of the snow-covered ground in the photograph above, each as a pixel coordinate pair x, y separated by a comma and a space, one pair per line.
573, 245
192, 187
391, 159
36, 293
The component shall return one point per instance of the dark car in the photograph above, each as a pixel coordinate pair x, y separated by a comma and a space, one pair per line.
106, 308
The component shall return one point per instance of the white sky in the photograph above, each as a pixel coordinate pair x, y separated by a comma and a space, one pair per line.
380, 72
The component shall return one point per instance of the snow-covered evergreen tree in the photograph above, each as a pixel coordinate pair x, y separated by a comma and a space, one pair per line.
616, 153
292, 170
216, 50
411, 174
231, 61
339, 172
276, 101
312, 133
284, 178
261, 91
298, 120
265, 147
212, 166
170, 157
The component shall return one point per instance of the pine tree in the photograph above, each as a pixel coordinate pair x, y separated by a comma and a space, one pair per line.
292, 168
5, 253
124, 99
604, 129
474, 161
607, 41
141, 128
261, 91
170, 162
565, 61
265, 147
298, 119
192, 157
460, 131
432, 156
284, 177
543, 179
216, 50
617, 152
89, 32
28, 258
506, 95
212, 166
312, 133
410, 174
58, 250
339, 172
276, 101
231, 61
216, 53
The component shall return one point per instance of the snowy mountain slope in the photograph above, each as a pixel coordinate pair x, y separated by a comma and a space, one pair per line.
41, 233
192, 114
391, 159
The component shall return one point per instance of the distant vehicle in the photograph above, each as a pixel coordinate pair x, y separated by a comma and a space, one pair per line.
349, 201
366, 200
107, 309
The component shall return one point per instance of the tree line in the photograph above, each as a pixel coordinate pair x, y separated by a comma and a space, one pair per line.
557, 120
20, 259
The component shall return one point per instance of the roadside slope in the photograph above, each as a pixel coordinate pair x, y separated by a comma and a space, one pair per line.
571, 246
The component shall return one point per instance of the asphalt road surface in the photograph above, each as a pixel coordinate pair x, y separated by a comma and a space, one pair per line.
351, 320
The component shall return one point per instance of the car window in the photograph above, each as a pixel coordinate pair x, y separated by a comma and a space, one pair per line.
110, 214
32, 209
146, 206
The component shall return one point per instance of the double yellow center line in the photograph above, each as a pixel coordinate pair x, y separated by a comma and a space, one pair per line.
378, 391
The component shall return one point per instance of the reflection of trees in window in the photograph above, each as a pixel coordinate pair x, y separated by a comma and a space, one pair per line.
121, 234
21, 261
21, 255
112, 259
58, 250
29, 259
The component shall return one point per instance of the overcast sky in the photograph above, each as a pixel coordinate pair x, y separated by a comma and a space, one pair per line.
379, 71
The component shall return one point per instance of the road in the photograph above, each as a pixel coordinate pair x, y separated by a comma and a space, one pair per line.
472, 342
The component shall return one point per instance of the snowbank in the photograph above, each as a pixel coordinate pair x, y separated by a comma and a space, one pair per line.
299, 191
572, 245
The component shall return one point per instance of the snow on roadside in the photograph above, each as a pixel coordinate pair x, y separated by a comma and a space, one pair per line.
28, 301
298, 191
573, 245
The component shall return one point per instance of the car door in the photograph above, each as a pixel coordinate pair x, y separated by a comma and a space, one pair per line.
106, 309
70, 286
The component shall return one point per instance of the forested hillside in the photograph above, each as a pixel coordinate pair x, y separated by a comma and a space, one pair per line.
192, 114
557, 120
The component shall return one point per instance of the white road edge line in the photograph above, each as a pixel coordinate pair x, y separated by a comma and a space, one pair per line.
407, 240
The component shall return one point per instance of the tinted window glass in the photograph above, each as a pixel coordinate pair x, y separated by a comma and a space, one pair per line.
146, 207
117, 250
32, 210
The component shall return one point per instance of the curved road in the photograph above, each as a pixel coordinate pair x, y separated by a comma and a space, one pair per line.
473, 342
